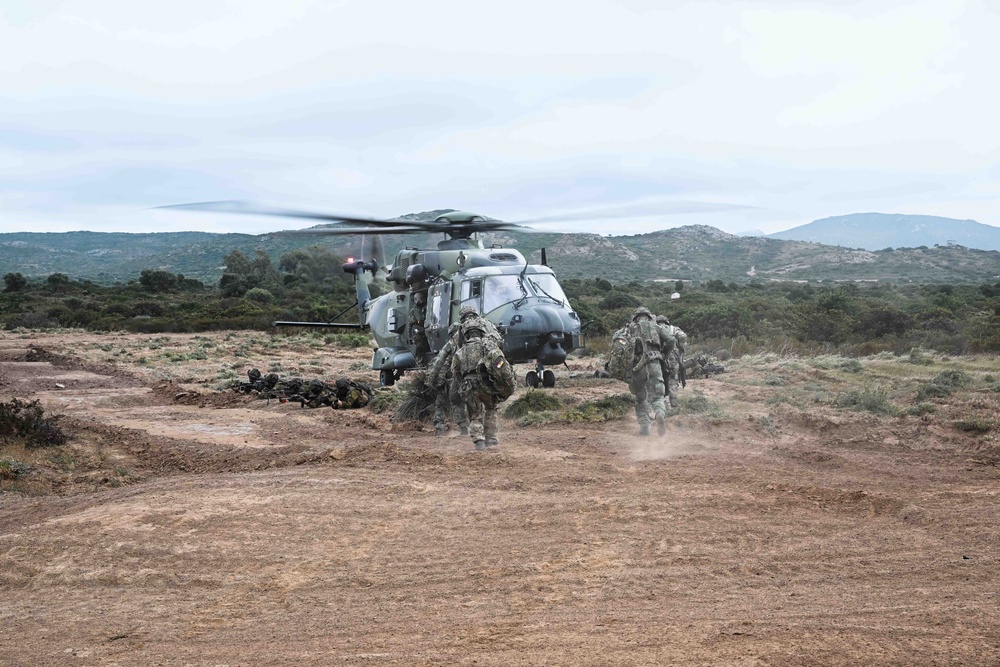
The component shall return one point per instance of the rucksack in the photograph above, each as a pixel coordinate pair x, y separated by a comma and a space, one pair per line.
484, 356
499, 373
620, 356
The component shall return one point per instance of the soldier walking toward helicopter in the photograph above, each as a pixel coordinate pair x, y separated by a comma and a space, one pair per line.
447, 396
673, 363
650, 344
486, 378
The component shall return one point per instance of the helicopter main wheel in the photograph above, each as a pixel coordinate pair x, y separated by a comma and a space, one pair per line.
386, 378
548, 379
531, 379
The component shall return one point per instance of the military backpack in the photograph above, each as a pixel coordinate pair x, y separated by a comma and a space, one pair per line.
620, 356
499, 373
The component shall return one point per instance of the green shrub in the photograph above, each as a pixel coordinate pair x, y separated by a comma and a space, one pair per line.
932, 390
921, 409
953, 378
259, 295
977, 424
27, 420
537, 418
534, 400
353, 340
609, 408
874, 400
851, 366
696, 402
11, 469
385, 400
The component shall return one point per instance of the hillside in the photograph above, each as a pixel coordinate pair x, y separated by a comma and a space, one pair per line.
875, 231
696, 252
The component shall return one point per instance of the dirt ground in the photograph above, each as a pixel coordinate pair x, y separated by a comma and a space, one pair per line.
187, 525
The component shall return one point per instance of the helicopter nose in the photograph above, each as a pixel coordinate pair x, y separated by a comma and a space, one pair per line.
553, 325
552, 352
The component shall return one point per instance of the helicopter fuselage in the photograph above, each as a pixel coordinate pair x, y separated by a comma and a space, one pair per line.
524, 301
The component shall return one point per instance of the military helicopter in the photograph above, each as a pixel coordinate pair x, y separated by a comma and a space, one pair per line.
524, 301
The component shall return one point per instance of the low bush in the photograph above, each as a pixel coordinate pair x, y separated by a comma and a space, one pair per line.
11, 469
27, 420
533, 400
871, 399
616, 406
976, 424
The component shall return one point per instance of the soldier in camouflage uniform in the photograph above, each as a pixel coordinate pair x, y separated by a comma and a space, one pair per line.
349, 395
651, 344
447, 395
672, 361
479, 401
315, 394
418, 336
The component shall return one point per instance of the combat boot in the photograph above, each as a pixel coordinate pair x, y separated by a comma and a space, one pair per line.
661, 424
643, 429
464, 428
440, 429
480, 445
492, 443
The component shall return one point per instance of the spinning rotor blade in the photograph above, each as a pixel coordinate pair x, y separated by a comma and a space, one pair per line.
352, 224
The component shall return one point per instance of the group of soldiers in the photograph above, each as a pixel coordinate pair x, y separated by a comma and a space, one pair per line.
343, 394
469, 377
654, 372
654, 366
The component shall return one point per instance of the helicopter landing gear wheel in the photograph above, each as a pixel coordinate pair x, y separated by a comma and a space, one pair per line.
386, 378
531, 379
548, 379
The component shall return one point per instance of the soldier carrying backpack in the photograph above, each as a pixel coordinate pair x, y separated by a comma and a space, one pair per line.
650, 346
485, 376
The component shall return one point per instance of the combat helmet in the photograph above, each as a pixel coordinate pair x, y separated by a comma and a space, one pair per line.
641, 311
466, 312
662, 319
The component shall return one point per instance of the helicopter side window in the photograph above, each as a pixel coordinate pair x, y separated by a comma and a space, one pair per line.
471, 291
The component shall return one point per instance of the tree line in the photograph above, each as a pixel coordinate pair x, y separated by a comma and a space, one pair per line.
309, 285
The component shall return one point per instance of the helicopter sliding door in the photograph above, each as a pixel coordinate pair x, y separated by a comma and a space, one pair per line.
438, 314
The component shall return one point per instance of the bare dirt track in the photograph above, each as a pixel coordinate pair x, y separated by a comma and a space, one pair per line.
211, 529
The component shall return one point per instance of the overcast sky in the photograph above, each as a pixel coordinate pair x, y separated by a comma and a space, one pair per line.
628, 115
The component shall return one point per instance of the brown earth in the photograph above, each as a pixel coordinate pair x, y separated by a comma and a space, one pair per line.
186, 525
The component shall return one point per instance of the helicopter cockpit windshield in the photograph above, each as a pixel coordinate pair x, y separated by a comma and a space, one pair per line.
501, 290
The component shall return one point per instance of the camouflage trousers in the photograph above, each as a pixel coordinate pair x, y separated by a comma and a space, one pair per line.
671, 377
449, 400
649, 390
482, 409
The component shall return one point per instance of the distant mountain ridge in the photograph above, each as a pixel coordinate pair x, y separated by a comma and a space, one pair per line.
690, 253
876, 231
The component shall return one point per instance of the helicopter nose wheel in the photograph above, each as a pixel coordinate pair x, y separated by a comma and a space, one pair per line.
540, 378
386, 378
